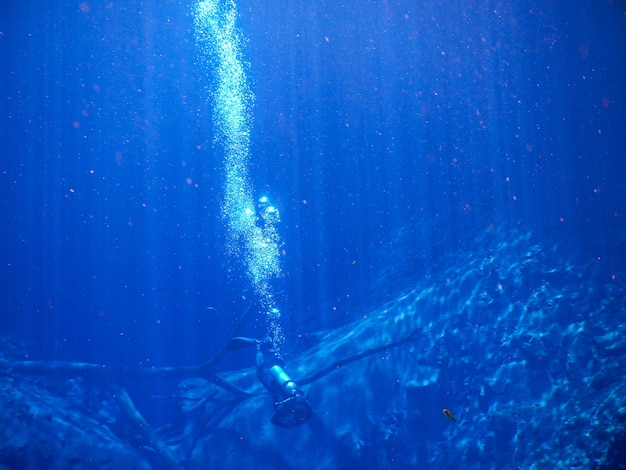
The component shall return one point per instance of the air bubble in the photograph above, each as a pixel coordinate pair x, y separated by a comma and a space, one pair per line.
252, 238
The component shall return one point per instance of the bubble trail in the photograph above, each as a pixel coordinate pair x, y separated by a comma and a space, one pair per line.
251, 224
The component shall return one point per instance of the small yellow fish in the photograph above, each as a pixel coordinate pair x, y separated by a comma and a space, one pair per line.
448, 414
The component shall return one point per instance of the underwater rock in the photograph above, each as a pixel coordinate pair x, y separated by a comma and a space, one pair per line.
533, 378
42, 430
514, 372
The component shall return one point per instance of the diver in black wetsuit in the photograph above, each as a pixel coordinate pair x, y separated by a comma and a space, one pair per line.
291, 408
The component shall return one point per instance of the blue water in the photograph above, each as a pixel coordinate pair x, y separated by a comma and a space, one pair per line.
388, 136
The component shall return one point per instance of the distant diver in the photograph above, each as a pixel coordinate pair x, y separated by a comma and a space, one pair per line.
291, 408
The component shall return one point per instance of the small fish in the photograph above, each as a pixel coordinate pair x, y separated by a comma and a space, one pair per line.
448, 414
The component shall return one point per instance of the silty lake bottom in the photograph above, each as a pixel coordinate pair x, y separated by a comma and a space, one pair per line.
418, 207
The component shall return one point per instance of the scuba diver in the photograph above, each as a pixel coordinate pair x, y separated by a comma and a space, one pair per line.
291, 408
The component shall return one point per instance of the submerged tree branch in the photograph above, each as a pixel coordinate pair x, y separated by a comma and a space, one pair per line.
168, 460
77, 369
414, 335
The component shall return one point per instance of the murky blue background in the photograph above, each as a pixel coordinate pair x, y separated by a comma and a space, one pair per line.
388, 133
